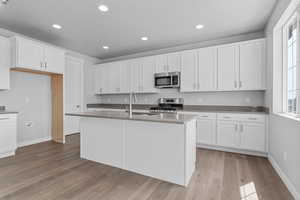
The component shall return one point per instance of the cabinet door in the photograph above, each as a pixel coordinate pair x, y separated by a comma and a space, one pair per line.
227, 133
135, 83
189, 72
124, 77
227, 67
174, 62
4, 63
54, 60
206, 131
8, 133
114, 74
253, 136
161, 63
252, 58
147, 75
207, 67
29, 54
98, 79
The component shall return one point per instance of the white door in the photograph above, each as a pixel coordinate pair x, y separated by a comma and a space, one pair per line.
207, 69
73, 99
161, 63
252, 65
228, 68
253, 136
147, 75
189, 78
173, 62
30, 54
206, 131
5, 53
54, 60
227, 133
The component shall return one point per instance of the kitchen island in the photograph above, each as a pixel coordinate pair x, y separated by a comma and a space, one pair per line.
161, 146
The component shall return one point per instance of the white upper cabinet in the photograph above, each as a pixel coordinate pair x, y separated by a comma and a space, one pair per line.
252, 65
142, 75
168, 62
147, 75
189, 78
198, 71
124, 77
207, 69
228, 67
98, 79
54, 60
29, 54
5, 63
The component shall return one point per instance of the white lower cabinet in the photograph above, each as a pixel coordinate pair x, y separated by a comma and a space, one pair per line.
253, 136
8, 134
206, 128
229, 131
227, 134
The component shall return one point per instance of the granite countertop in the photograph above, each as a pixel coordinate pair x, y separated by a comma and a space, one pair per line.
164, 118
4, 111
191, 108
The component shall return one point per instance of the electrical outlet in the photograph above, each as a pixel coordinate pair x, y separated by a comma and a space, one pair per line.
29, 124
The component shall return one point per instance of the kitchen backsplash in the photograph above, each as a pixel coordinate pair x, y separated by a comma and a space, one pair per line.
237, 98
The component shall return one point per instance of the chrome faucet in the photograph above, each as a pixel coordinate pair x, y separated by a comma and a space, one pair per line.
131, 96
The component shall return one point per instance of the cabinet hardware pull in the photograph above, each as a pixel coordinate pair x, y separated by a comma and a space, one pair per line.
204, 116
46, 65
240, 83
226, 117
41, 64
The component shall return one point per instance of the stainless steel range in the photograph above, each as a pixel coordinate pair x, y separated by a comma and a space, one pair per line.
168, 105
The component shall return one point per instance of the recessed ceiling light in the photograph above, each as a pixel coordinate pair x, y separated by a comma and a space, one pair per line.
199, 26
105, 47
56, 26
144, 38
103, 8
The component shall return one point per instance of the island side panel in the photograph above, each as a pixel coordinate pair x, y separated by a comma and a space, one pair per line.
102, 141
191, 149
156, 150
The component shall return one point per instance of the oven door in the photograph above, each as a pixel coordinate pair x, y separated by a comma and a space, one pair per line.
163, 81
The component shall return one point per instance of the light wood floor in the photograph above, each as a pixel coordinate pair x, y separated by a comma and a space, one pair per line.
55, 171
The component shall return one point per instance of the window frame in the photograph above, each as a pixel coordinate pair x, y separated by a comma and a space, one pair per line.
294, 18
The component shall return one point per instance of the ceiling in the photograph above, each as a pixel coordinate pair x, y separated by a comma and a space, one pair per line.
167, 23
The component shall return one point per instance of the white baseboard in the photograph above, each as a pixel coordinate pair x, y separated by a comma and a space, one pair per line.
284, 178
232, 150
35, 141
7, 154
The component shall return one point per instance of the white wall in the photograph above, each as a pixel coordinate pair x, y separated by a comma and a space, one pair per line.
30, 95
284, 132
251, 98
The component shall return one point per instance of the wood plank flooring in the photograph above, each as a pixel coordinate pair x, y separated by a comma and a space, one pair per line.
55, 171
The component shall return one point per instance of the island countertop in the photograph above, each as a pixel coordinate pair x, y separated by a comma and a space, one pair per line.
152, 117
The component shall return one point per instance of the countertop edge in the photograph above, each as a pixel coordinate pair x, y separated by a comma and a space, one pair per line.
131, 119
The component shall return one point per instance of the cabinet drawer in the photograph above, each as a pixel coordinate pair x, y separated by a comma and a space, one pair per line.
252, 118
227, 116
206, 115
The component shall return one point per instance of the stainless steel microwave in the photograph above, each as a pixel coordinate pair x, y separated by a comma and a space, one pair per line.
167, 80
